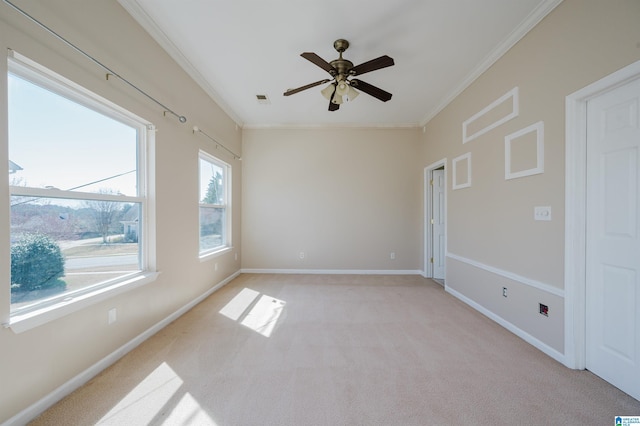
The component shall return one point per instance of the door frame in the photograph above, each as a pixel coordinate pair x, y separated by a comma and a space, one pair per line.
428, 215
575, 330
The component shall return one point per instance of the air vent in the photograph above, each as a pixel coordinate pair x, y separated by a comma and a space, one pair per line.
263, 99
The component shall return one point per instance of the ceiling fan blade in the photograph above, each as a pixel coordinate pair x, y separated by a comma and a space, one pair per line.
312, 57
372, 65
308, 86
371, 90
332, 106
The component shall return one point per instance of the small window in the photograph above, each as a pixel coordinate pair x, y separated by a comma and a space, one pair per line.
78, 185
215, 215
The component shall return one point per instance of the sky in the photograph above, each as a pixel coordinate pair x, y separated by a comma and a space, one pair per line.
63, 144
207, 171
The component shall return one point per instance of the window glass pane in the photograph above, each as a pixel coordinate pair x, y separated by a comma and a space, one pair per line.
62, 246
62, 137
212, 229
211, 183
56, 142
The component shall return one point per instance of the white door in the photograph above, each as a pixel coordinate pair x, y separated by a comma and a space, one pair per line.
437, 227
612, 240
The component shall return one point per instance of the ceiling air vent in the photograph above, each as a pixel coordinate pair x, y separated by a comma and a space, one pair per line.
263, 99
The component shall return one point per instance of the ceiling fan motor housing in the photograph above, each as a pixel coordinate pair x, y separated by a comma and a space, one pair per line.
341, 65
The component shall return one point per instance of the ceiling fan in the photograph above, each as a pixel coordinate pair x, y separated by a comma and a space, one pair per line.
342, 71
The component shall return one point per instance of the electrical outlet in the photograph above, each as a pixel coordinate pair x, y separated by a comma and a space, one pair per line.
392, 255
504, 291
301, 255
112, 315
542, 213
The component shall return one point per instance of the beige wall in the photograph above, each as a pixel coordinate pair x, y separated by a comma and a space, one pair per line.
34, 363
491, 223
346, 197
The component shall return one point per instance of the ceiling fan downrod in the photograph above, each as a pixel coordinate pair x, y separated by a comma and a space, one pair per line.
341, 65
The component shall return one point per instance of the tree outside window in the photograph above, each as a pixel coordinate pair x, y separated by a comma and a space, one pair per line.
214, 204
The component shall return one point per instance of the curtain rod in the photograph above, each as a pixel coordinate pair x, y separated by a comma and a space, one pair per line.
235, 156
181, 118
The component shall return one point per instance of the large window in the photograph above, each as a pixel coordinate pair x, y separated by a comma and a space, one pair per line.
78, 183
215, 217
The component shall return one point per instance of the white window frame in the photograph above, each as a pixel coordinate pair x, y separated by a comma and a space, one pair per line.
227, 239
29, 317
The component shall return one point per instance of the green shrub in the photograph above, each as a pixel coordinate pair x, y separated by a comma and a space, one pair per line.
36, 263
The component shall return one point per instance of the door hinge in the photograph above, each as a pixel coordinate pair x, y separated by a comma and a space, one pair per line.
431, 260
431, 182
432, 222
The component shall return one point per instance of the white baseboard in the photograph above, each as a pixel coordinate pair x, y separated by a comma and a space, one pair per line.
509, 326
34, 410
334, 271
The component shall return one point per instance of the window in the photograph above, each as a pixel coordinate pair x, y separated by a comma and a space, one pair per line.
78, 180
215, 215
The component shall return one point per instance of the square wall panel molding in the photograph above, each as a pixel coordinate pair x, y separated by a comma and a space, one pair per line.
462, 171
524, 152
493, 115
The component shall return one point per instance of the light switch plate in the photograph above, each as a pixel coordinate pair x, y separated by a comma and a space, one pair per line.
542, 213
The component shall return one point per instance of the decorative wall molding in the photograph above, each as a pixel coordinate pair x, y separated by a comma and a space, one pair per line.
538, 128
510, 275
454, 163
513, 94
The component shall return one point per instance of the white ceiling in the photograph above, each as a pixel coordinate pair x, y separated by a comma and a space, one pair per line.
237, 49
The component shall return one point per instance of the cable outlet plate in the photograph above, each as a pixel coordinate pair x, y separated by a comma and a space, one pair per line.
544, 310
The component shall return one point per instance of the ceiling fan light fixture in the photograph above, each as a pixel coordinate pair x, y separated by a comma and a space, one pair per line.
337, 99
342, 88
352, 93
327, 92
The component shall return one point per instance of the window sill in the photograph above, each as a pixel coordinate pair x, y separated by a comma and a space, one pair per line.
28, 320
215, 253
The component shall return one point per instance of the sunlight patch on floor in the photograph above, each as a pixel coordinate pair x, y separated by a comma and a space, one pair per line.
264, 315
239, 304
261, 316
146, 400
189, 412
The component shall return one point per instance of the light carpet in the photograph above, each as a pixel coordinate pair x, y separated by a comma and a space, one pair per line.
338, 350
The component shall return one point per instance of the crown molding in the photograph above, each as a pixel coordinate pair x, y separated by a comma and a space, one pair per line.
149, 25
330, 126
515, 36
